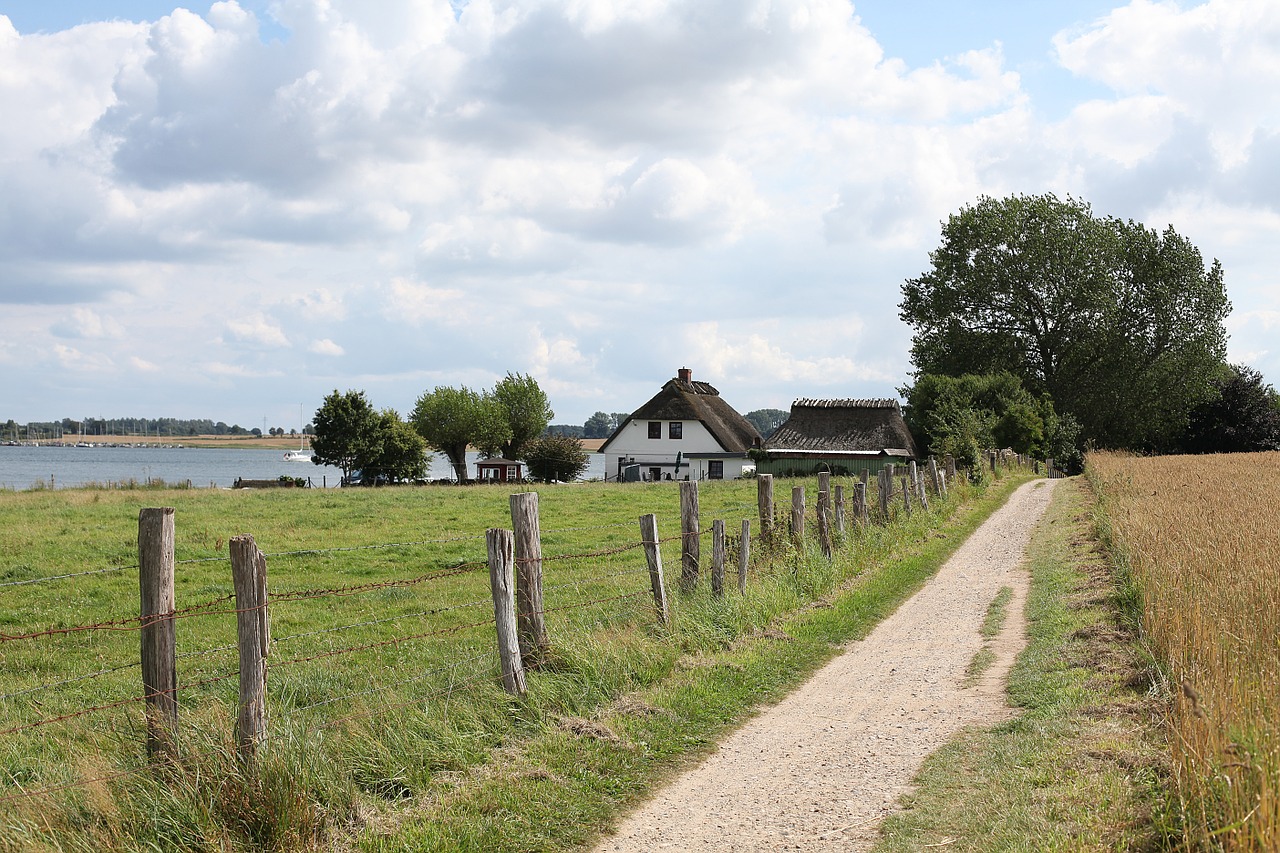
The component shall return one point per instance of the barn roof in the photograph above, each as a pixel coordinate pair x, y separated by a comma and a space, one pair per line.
844, 426
686, 400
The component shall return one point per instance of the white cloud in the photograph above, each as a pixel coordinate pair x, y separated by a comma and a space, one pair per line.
258, 330
324, 346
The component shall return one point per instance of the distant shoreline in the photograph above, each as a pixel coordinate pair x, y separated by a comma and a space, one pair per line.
282, 442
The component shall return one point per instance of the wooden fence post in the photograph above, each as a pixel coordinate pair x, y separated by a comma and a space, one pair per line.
797, 517
764, 501
935, 476
883, 487
906, 495
839, 501
860, 504
501, 545
653, 556
531, 622
717, 557
253, 628
159, 637
744, 556
824, 514
690, 531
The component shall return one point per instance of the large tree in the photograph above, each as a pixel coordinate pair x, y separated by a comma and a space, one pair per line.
400, 454
1243, 415
526, 409
450, 419
346, 432
556, 457
1121, 325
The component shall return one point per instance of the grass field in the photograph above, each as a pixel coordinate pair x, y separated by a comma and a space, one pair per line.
1198, 540
383, 698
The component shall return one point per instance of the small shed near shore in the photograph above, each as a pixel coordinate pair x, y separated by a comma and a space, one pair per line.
839, 436
499, 470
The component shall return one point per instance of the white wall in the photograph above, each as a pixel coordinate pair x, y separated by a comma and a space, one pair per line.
634, 443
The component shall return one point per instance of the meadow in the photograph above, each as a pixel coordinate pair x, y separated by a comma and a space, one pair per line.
382, 688
1198, 545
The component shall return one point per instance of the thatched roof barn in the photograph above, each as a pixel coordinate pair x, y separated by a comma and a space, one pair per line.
841, 436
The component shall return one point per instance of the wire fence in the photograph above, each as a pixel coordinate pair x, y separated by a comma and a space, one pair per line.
408, 640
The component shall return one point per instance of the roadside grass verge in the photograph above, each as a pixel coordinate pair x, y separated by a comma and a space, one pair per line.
563, 785
1081, 767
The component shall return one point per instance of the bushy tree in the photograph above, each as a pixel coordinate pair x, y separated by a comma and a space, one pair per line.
599, 425
556, 457
1120, 325
766, 421
1242, 416
346, 428
399, 453
527, 411
450, 419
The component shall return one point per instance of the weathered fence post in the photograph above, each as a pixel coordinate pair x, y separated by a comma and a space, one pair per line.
501, 545
744, 556
717, 558
824, 514
906, 495
653, 556
1049, 464
690, 531
797, 517
936, 476
860, 504
883, 487
159, 637
839, 501
531, 621
764, 501
253, 628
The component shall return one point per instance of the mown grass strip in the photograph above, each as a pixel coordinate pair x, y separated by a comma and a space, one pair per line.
563, 786
1081, 767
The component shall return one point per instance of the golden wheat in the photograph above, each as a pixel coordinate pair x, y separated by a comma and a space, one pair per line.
1201, 539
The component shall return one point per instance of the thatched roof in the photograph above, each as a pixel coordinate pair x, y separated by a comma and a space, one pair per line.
844, 426
686, 400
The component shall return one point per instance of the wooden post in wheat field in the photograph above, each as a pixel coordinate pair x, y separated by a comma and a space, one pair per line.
690, 531
502, 570
158, 635
653, 556
839, 502
253, 630
744, 556
764, 502
797, 517
718, 556
531, 624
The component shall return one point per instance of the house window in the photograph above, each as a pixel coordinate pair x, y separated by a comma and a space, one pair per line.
655, 429
675, 429
715, 469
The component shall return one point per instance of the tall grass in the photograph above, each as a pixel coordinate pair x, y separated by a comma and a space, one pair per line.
416, 716
1199, 539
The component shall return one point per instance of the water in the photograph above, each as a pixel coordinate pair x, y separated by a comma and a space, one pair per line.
211, 467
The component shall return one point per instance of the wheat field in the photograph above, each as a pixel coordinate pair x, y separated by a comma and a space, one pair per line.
1199, 538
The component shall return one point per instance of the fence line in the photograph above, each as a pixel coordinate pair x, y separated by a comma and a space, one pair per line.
914, 488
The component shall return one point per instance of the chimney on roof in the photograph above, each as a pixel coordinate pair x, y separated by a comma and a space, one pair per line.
685, 374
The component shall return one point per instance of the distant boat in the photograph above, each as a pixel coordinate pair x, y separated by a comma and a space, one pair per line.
301, 454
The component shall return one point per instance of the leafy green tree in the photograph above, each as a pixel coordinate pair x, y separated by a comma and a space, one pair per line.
527, 411
598, 425
398, 455
346, 432
767, 420
450, 419
1242, 416
556, 457
1121, 325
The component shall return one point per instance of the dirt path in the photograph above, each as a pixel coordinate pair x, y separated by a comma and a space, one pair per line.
821, 769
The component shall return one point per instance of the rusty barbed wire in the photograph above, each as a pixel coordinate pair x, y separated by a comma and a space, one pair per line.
356, 589
54, 789
109, 705
305, 552
51, 685
579, 604
434, 612
382, 644
384, 686
398, 705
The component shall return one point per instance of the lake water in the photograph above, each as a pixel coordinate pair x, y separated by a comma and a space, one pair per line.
213, 467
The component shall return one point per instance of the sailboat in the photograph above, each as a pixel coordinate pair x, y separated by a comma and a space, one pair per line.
301, 454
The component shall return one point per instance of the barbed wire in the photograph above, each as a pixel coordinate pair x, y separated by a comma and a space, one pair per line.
381, 644
579, 604
51, 685
357, 589
384, 707
384, 686
54, 789
310, 552
65, 576
434, 612
580, 582
109, 705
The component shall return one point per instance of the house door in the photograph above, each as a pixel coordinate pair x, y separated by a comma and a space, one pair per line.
715, 469
655, 474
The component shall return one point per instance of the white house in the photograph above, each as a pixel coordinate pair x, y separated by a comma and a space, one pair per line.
686, 432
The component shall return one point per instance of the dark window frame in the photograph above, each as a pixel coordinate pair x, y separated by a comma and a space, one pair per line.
675, 430
715, 469
655, 429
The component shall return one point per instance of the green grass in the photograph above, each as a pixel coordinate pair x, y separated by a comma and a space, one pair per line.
424, 744
1081, 766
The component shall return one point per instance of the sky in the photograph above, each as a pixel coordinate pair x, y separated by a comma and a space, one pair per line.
229, 211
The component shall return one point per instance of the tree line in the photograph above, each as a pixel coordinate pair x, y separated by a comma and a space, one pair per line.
1042, 327
161, 427
507, 421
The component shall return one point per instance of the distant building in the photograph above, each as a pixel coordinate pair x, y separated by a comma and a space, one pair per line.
839, 436
686, 432
499, 470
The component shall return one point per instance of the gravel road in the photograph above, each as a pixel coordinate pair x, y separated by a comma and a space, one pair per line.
821, 769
